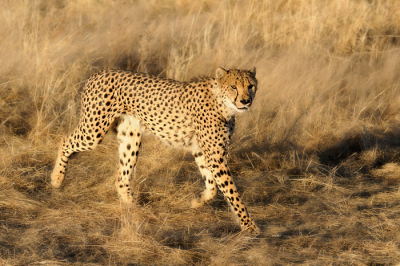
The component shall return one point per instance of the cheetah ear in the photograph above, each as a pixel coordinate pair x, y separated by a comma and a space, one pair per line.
253, 71
220, 73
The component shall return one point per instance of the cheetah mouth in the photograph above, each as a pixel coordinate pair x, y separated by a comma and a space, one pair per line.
240, 109
243, 108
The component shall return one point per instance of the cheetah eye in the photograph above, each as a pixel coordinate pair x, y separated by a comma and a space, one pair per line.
234, 87
251, 88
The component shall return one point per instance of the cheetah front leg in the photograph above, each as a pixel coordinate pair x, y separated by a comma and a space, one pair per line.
226, 185
211, 188
129, 137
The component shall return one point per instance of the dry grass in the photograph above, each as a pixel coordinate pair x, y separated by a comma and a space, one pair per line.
316, 159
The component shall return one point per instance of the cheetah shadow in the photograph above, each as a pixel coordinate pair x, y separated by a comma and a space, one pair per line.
333, 153
363, 151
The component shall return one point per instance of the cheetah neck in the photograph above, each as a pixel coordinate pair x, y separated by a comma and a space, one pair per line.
224, 106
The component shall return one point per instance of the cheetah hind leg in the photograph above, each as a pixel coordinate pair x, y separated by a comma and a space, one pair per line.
129, 137
211, 187
78, 141
58, 174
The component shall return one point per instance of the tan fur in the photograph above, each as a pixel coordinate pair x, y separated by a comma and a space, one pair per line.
197, 115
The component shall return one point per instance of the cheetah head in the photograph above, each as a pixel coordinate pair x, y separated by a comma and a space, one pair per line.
237, 88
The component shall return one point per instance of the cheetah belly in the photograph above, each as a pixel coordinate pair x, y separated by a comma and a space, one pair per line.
177, 134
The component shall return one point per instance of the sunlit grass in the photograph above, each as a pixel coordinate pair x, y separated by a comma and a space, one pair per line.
307, 158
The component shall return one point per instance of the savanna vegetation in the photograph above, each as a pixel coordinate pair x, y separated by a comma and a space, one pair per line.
316, 159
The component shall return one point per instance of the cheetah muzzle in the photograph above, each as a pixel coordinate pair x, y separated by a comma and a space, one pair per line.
197, 115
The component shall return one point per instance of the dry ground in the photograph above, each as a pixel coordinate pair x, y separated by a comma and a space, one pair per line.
317, 159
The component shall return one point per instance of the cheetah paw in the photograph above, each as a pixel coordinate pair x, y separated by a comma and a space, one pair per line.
196, 203
127, 199
252, 229
57, 178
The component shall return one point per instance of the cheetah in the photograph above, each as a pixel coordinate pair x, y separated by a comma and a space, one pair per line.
197, 115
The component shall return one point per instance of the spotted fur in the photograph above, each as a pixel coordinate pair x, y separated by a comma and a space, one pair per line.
197, 115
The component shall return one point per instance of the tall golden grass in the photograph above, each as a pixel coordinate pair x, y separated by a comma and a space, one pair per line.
316, 159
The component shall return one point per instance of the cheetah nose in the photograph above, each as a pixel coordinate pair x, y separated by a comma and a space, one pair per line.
245, 101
